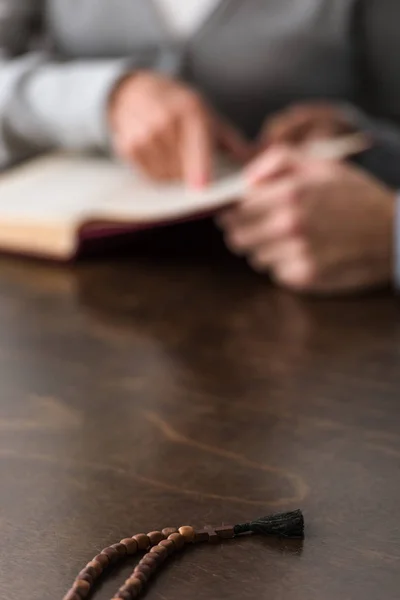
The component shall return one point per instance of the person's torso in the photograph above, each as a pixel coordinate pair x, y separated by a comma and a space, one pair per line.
183, 18
249, 57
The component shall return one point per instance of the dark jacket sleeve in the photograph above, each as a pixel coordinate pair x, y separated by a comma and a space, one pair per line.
376, 43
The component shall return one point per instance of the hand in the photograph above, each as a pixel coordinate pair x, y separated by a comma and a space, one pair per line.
315, 226
167, 130
304, 123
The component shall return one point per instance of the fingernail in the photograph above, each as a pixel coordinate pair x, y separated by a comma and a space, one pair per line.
200, 182
194, 185
253, 175
258, 168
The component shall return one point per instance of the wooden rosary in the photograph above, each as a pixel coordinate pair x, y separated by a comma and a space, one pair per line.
159, 545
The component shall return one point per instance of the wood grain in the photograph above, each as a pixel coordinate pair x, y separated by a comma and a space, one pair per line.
172, 386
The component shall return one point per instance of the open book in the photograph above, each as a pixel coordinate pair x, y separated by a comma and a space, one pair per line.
48, 206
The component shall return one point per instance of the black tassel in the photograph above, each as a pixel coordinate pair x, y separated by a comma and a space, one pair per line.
290, 524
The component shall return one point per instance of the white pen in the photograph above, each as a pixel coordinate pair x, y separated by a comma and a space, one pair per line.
339, 148
236, 186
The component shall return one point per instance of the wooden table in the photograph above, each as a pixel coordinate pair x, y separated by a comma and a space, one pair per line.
176, 387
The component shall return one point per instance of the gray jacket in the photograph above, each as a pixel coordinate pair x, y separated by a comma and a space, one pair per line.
61, 58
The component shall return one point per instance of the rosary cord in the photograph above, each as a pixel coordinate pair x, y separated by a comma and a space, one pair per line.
159, 545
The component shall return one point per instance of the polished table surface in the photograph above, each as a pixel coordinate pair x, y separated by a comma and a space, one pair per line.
173, 386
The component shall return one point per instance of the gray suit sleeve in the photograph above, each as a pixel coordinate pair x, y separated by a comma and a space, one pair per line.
47, 103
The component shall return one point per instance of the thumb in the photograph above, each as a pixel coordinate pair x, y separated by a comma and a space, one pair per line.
272, 163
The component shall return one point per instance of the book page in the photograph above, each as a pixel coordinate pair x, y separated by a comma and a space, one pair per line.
143, 203
58, 188
74, 189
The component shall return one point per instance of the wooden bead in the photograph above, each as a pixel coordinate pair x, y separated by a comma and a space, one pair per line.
142, 576
169, 545
82, 588
125, 595
111, 553
178, 540
142, 540
226, 532
162, 551
201, 536
102, 559
84, 575
134, 585
131, 545
187, 533
168, 530
155, 556
150, 561
155, 537
89, 571
213, 537
94, 568
120, 548
145, 569
71, 595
